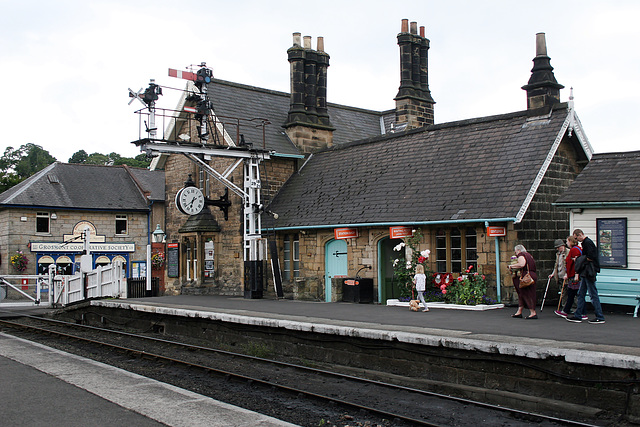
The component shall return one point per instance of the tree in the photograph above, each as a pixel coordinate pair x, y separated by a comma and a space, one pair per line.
16, 165
79, 157
111, 159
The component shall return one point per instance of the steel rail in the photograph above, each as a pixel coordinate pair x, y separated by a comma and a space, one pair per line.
338, 375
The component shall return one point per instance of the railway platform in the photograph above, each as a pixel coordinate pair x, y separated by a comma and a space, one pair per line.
42, 386
615, 343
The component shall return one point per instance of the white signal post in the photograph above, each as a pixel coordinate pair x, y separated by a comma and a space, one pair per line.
254, 245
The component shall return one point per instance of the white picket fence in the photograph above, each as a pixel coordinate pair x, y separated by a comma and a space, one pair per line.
108, 281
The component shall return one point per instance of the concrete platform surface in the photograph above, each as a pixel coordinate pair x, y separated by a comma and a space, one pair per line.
42, 386
615, 343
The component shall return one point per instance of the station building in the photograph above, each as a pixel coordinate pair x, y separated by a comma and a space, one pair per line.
45, 216
345, 183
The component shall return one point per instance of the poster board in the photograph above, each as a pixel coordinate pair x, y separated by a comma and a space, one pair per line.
612, 241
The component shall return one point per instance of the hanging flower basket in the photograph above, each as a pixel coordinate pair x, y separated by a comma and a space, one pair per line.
157, 260
19, 261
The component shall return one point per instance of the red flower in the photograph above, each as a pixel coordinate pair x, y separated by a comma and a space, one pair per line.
421, 259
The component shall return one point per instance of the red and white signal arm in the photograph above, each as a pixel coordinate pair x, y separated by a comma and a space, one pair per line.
495, 231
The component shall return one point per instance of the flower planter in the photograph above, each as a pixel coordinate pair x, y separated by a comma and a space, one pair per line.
479, 307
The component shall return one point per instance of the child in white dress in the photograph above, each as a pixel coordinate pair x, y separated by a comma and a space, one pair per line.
420, 280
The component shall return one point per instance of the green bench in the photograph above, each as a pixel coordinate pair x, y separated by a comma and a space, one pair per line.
621, 287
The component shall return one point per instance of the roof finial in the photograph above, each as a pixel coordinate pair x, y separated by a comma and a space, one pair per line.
541, 45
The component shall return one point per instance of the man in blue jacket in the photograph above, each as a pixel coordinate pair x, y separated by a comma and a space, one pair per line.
588, 280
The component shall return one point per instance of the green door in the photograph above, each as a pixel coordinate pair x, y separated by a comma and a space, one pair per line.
387, 288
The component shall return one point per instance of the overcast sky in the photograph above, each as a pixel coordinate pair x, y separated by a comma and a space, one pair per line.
66, 65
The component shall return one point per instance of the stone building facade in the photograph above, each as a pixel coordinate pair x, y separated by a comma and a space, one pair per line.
334, 167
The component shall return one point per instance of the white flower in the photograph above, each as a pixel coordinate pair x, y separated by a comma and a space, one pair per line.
399, 247
425, 253
409, 264
395, 261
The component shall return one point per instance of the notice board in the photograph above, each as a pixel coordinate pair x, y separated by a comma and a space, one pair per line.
612, 242
173, 259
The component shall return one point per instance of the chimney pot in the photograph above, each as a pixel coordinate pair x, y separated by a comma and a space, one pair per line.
422, 32
320, 44
405, 26
414, 28
307, 42
296, 39
541, 45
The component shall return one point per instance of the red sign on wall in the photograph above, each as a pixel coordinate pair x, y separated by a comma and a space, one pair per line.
496, 231
345, 233
400, 232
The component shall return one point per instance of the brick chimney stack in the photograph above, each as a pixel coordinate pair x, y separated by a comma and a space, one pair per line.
308, 125
414, 104
543, 90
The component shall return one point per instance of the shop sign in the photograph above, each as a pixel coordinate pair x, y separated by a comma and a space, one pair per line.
494, 231
345, 233
400, 232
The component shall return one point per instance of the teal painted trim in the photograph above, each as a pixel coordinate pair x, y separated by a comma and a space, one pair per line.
588, 205
391, 224
290, 156
498, 287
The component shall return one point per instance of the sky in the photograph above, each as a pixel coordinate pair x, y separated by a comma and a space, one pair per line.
66, 65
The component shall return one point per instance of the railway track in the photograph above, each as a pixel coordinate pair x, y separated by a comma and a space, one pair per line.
358, 398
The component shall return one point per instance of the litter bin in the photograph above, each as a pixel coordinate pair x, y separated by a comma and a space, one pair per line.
357, 290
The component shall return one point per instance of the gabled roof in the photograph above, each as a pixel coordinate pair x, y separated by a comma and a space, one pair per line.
485, 169
76, 186
233, 101
615, 172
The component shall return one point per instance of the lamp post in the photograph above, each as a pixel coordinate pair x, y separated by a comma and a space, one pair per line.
157, 247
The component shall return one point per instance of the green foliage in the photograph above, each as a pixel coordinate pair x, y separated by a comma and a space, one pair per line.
404, 266
468, 289
111, 159
16, 165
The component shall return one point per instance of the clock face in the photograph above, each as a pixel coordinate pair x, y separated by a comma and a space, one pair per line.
190, 200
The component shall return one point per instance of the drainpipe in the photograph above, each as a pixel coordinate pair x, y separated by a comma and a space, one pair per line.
148, 287
497, 242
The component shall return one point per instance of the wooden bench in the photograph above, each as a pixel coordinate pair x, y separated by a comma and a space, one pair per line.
618, 286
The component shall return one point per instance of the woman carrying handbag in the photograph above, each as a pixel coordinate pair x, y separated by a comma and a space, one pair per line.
525, 283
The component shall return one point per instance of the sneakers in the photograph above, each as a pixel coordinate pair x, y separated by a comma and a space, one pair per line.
585, 317
596, 321
561, 313
573, 319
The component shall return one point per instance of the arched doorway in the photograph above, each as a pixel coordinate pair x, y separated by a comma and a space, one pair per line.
387, 289
336, 264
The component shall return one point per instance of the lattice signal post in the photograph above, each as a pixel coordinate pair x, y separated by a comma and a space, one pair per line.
250, 158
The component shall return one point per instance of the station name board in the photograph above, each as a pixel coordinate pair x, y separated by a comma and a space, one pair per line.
345, 233
79, 247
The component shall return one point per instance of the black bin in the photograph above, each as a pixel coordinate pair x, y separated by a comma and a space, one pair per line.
357, 290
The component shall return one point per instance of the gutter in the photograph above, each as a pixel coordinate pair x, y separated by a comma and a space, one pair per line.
381, 224
586, 205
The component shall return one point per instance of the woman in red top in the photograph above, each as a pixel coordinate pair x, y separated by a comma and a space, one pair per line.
571, 278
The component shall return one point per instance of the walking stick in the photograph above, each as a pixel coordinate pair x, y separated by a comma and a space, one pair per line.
545, 294
564, 282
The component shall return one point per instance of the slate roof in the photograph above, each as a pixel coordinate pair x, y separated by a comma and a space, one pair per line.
470, 170
615, 172
233, 100
76, 186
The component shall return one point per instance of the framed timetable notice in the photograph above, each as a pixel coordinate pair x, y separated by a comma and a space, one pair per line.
612, 242
173, 260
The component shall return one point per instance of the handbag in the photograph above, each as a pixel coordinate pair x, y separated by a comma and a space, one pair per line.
526, 280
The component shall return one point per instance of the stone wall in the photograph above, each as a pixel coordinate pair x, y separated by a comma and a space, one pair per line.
16, 234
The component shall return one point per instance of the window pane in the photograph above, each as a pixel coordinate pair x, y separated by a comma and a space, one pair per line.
121, 224
296, 257
441, 251
286, 267
42, 222
471, 253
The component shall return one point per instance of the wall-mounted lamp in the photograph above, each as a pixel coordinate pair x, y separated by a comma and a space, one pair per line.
158, 235
54, 216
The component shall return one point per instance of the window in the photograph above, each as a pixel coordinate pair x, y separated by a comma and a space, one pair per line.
456, 250
471, 248
121, 224
42, 222
291, 264
441, 251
